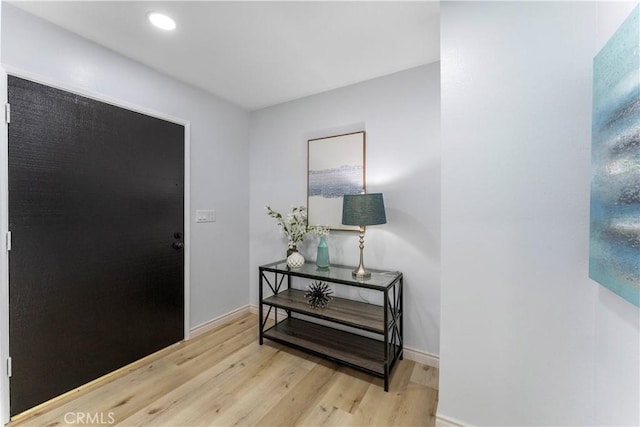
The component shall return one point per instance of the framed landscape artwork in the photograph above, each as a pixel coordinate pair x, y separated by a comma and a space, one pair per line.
336, 166
614, 246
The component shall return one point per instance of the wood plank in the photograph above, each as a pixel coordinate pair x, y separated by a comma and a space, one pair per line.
225, 378
417, 406
258, 398
348, 389
238, 368
294, 407
327, 415
425, 375
370, 412
348, 312
340, 345
416, 403
207, 398
148, 382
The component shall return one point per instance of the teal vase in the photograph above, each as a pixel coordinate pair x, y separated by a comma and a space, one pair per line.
322, 259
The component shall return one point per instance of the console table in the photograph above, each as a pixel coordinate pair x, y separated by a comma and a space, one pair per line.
358, 334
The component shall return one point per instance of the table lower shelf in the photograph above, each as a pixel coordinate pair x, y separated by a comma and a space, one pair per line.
355, 350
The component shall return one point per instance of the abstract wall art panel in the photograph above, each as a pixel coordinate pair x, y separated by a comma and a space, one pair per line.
614, 250
335, 167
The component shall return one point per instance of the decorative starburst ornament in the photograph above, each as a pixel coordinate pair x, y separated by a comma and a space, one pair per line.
318, 295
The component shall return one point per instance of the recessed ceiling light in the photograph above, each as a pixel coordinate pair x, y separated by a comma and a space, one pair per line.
162, 21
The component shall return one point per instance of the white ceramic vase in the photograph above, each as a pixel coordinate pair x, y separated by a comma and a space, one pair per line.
295, 260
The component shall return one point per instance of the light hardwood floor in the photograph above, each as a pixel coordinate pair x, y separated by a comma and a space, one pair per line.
226, 378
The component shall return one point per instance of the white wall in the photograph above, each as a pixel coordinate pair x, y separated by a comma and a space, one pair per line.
219, 146
401, 115
526, 337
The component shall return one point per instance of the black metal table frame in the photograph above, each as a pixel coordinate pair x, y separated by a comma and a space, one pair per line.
393, 315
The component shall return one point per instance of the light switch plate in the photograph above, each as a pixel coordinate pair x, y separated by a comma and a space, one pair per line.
208, 215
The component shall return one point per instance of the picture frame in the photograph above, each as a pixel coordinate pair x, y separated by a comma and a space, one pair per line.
614, 240
335, 167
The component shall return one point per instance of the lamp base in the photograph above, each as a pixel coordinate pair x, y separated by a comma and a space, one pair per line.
357, 274
360, 272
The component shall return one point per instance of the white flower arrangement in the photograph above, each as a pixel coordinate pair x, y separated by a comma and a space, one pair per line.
294, 225
320, 230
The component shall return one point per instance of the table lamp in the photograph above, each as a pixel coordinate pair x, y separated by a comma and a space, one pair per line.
363, 210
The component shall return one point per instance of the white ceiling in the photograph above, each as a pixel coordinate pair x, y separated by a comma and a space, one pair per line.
257, 54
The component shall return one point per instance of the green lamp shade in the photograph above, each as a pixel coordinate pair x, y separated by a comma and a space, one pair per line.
363, 209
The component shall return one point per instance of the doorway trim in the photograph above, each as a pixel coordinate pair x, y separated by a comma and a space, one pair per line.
6, 70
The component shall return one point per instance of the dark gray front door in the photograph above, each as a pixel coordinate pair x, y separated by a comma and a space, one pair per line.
96, 215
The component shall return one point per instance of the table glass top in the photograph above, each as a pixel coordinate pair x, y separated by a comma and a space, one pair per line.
338, 273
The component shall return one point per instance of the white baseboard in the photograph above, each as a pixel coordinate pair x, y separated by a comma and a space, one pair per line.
422, 357
444, 421
253, 309
219, 321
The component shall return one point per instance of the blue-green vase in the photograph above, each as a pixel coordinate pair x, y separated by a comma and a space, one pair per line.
322, 259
